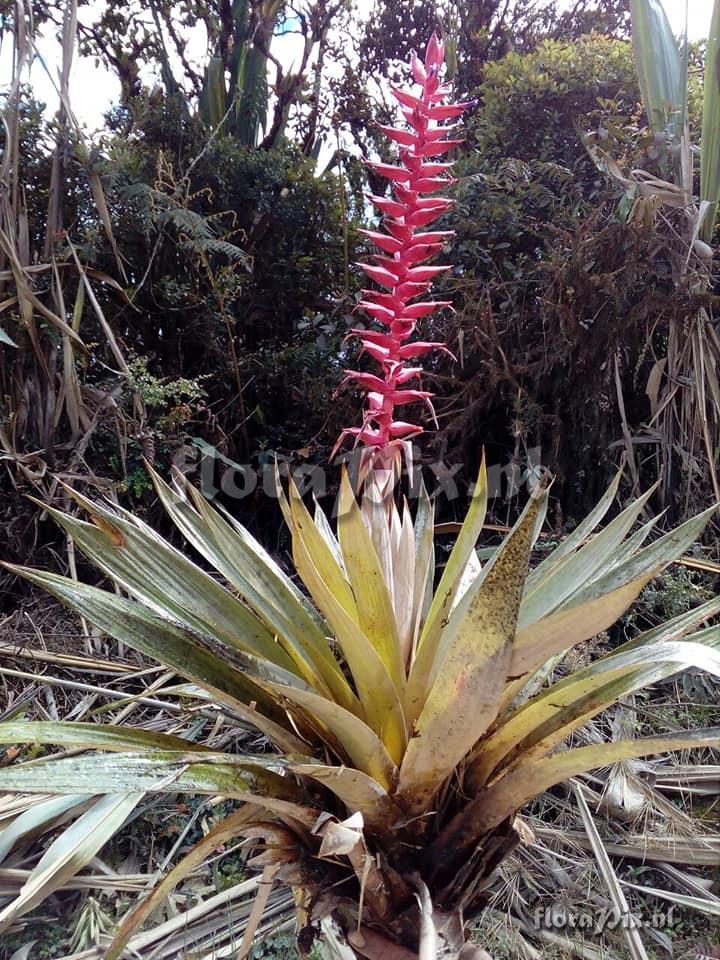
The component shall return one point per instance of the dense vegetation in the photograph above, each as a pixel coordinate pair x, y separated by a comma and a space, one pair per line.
220, 267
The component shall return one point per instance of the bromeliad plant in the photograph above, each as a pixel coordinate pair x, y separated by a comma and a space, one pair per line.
410, 720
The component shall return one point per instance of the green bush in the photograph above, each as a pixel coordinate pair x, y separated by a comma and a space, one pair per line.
532, 104
549, 283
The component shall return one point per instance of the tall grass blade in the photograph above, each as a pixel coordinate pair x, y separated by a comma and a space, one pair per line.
710, 143
659, 67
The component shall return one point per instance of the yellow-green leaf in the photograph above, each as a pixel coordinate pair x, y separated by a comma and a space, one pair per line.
378, 696
442, 601
569, 626
362, 745
320, 554
375, 611
357, 790
498, 801
469, 680
457, 561
549, 717
251, 570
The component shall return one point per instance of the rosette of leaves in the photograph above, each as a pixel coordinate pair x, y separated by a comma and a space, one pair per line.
410, 721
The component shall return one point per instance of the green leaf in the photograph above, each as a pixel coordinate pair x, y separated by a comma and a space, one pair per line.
578, 536
245, 564
97, 736
673, 629
660, 553
172, 645
213, 95
251, 97
244, 778
153, 571
559, 582
659, 66
710, 142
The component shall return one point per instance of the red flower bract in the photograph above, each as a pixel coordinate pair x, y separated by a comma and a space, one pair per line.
404, 246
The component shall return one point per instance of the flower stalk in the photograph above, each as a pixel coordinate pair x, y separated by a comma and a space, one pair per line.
400, 269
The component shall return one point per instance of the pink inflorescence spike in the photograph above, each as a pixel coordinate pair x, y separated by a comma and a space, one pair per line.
404, 247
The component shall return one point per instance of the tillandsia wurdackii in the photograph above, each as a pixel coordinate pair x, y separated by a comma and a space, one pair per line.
401, 267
